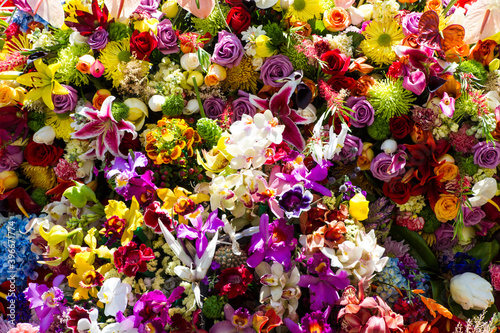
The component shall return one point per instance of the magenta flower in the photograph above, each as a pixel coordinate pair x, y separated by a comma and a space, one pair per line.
309, 178
447, 105
107, 131
236, 321
311, 322
198, 230
278, 104
415, 82
274, 241
46, 302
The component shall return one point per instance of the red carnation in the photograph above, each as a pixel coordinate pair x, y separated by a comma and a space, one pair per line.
234, 281
129, 259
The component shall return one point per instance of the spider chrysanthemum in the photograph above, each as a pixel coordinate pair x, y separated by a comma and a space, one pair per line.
61, 123
114, 57
379, 41
389, 98
243, 77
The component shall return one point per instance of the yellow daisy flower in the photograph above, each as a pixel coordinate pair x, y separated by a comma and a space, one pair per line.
61, 123
114, 57
380, 41
304, 10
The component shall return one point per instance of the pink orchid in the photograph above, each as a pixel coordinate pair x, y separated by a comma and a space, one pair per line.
105, 129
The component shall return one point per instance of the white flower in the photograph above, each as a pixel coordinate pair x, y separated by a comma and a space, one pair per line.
269, 125
389, 146
257, 63
309, 113
113, 293
77, 38
155, 102
91, 326
191, 107
190, 61
471, 291
265, 4
483, 191
45, 135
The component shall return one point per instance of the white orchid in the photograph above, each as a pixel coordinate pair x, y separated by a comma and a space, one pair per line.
89, 325
113, 293
321, 151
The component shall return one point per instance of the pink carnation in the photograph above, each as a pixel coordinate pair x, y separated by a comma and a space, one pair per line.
24, 328
495, 276
414, 223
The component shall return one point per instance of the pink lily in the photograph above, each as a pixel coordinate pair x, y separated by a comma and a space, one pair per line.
105, 129
278, 104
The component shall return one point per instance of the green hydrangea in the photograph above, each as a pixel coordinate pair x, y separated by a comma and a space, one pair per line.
173, 106
36, 120
39, 197
120, 111
209, 130
213, 307
467, 165
379, 130
118, 31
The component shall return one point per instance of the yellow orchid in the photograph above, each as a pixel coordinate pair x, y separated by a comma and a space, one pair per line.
58, 239
90, 252
87, 278
181, 201
42, 83
132, 215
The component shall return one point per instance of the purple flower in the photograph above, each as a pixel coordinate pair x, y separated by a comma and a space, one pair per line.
274, 241
167, 39
99, 39
199, 229
46, 302
444, 237
363, 115
311, 322
242, 106
295, 201
228, 51
239, 321
487, 154
353, 147
64, 103
410, 23
150, 7
324, 288
472, 216
382, 167
152, 309
105, 129
12, 156
214, 107
274, 69
310, 178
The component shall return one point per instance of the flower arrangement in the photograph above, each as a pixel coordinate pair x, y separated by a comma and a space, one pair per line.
249, 166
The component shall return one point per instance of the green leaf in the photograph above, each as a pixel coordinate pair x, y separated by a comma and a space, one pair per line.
486, 252
487, 315
418, 248
455, 308
317, 26
438, 289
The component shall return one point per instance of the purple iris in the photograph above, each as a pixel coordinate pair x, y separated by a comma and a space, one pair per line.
198, 230
152, 309
128, 182
274, 241
295, 200
46, 302
324, 287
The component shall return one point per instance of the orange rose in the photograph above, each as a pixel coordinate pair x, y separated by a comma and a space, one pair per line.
446, 208
363, 85
411, 41
446, 171
434, 5
457, 53
99, 98
84, 63
336, 19
365, 160
305, 28
418, 135
484, 51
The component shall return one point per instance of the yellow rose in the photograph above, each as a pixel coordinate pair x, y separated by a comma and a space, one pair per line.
146, 25
10, 96
447, 171
365, 160
215, 74
446, 207
358, 207
261, 47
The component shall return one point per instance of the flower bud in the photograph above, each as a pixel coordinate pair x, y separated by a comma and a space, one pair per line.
471, 291
191, 107
309, 113
45, 135
194, 75
358, 207
97, 69
155, 102
8, 181
389, 146
137, 113
77, 38
170, 8
190, 61
79, 194
216, 73
261, 47
365, 160
84, 63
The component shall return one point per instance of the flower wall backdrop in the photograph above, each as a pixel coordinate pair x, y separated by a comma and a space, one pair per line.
249, 166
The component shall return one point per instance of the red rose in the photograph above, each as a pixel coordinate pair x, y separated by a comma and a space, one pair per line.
42, 154
233, 3
336, 63
142, 44
339, 82
238, 19
400, 126
397, 191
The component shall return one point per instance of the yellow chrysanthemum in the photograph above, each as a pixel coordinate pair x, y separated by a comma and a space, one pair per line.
243, 77
304, 10
114, 57
380, 41
40, 177
61, 123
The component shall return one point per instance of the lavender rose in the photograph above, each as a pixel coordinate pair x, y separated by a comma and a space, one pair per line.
214, 107
228, 51
275, 68
487, 154
380, 168
353, 147
410, 23
242, 106
167, 39
64, 103
150, 7
12, 157
472, 216
444, 237
363, 115
98, 40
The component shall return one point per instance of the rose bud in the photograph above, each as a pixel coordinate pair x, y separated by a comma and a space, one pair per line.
84, 63
216, 73
45, 135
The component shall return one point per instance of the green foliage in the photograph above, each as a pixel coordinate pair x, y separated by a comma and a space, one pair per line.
173, 106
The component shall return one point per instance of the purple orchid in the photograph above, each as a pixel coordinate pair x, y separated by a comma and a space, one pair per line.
310, 178
239, 321
128, 182
278, 104
274, 241
107, 131
295, 201
151, 310
212, 224
311, 322
46, 302
324, 288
